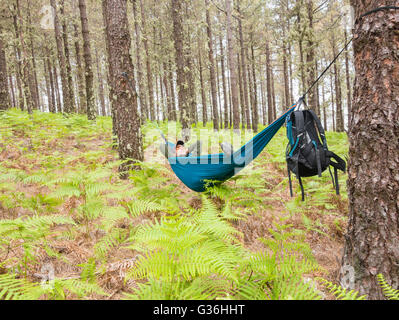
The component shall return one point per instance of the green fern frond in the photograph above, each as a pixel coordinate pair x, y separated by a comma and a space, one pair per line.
389, 292
341, 293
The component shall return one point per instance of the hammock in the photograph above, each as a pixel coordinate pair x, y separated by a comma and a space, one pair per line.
197, 173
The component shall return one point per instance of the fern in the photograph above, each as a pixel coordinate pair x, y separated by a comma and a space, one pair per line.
389, 292
341, 293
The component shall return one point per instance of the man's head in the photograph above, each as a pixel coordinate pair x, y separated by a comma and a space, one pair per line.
179, 143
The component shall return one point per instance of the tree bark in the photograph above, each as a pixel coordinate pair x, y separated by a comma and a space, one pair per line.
232, 67
203, 96
33, 75
140, 74
180, 60
225, 98
69, 92
211, 58
269, 86
18, 23
338, 95
372, 238
348, 82
5, 102
310, 59
82, 103
91, 110
124, 100
255, 119
244, 72
67, 103
100, 85
150, 88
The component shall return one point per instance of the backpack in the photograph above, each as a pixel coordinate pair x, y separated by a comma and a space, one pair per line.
306, 155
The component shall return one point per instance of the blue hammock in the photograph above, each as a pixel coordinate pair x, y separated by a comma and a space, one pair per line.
199, 172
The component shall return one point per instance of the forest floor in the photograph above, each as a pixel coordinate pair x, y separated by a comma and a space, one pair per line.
55, 166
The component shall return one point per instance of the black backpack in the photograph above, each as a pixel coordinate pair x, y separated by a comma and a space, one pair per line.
306, 155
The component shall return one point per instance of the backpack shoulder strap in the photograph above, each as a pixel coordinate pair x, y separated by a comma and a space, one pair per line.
299, 122
319, 127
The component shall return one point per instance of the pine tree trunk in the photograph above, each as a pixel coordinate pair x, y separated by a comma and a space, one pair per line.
240, 87
203, 96
17, 54
5, 102
332, 102
246, 106
91, 109
182, 79
67, 103
69, 92
148, 64
372, 238
18, 23
310, 60
232, 66
269, 86
225, 98
124, 100
140, 74
57, 89
100, 85
48, 87
338, 95
82, 107
255, 119
215, 113
12, 90
173, 115
35, 84
348, 82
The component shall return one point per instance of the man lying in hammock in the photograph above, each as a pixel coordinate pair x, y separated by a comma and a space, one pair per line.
193, 150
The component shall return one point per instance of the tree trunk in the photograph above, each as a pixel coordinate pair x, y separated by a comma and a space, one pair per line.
182, 85
100, 85
35, 84
225, 98
211, 58
5, 102
372, 238
232, 67
140, 75
255, 119
310, 59
47, 82
124, 100
91, 110
69, 92
203, 96
269, 86
82, 105
338, 95
150, 88
12, 90
240, 87
18, 23
57, 88
332, 101
67, 104
348, 83
244, 73
173, 115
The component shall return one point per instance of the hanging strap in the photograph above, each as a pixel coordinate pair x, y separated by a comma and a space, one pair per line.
302, 190
290, 181
336, 181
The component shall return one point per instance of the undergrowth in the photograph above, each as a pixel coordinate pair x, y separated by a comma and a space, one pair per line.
70, 229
